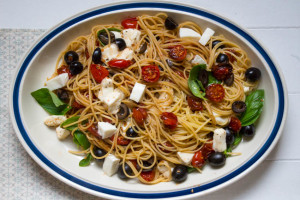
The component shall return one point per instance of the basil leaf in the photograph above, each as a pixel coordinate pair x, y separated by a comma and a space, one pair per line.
81, 140
195, 85
237, 140
86, 161
50, 102
254, 102
212, 79
191, 169
69, 121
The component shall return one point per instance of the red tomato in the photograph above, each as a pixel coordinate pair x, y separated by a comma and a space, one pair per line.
64, 69
150, 73
148, 176
230, 56
122, 141
206, 150
139, 115
107, 120
221, 71
195, 103
177, 52
77, 105
169, 119
198, 159
98, 72
168, 144
130, 23
94, 130
119, 63
215, 92
235, 124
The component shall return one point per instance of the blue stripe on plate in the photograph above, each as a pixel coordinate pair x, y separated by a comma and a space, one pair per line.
147, 5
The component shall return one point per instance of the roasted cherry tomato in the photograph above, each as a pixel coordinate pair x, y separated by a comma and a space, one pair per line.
119, 63
130, 23
221, 71
77, 105
169, 119
99, 72
94, 130
195, 103
64, 69
235, 124
122, 141
215, 92
139, 115
230, 56
148, 176
177, 52
150, 73
198, 159
168, 144
206, 150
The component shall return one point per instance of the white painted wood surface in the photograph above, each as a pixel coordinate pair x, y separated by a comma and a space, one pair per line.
275, 23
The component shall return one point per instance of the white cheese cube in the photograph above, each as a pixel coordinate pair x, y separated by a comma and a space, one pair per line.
62, 133
54, 120
110, 52
186, 158
126, 54
223, 121
118, 96
246, 89
219, 140
117, 34
106, 130
58, 82
111, 165
137, 92
163, 169
198, 60
187, 32
107, 86
131, 36
206, 36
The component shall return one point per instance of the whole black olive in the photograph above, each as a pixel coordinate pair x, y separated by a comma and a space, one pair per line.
215, 42
131, 132
170, 24
143, 48
121, 44
103, 37
239, 107
62, 95
203, 77
253, 74
229, 136
99, 152
179, 173
127, 169
71, 56
248, 131
222, 58
229, 80
123, 112
76, 68
216, 159
97, 56
145, 164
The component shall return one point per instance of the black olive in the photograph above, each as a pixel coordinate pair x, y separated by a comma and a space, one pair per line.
160, 68
229, 136
248, 131
123, 111
222, 58
145, 164
103, 37
203, 77
131, 132
239, 106
214, 43
252, 74
111, 73
97, 56
121, 44
127, 169
169, 62
62, 95
76, 68
157, 38
216, 159
229, 80
70, 57
170, 24
179, 173
143, 48
99, 152
210, 134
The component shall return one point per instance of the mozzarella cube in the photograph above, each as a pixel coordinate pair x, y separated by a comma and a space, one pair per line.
186, 158
106, 130
109, 52
117, 34
118, 96
206, 36
131, 36
111, 165
107, 86
137, 92
54, 120
198, 60
219, 140
126, 54
221, 120
58, 82
246, 89
62, 133
187, 32
163, 169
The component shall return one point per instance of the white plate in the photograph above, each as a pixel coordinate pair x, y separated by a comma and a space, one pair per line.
43, 146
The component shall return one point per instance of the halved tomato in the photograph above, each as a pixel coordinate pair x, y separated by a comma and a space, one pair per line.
119, 63
130, 23
150, 73
178, 52
98, 72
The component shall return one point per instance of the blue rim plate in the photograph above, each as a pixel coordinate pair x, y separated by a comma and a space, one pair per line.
104, 192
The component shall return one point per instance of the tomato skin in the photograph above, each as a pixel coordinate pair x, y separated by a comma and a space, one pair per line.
195, 103
64, 69
235, 124
215, 92
94, 131
150, 73
77, 105
119, 63
198, 159
139, 115
206, 150
221, 71
148, 176
169, 119
168, 144
121, 140
130, 23
98, 72
178, 52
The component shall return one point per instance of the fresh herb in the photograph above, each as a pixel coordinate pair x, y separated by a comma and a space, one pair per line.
80, 139
70, 121
191, 169
195, 85
50, 102
254, 102
212, 79
86, 161
237, 140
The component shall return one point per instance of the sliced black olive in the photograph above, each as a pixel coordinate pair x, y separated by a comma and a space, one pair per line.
239, 106
203, 77
170, 24
76, 68
145, 164
123, 112
216, 159
229, 80
99, 152
103, 37
229, 136
214, 43
71, 56
179, 173
97, 56
253, 74
121, 44
160, 68
157, 38
222, 58
127, 169
248, 131
169, 62
143, 48
62, 95
131, 132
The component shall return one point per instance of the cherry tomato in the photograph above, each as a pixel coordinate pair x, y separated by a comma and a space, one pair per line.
221, 71
107, 120
77, 105
130, 23
198, 159
169, 119
206, 150
64, 69
215, 92
230, 56
122, 141
195, 103
94, 131
139, 115
119, 63
168, 144
150, 73
235, 124
177, 52
148, 176
99, 72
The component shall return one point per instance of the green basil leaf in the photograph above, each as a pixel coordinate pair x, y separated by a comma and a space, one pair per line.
81, 139
69, 121
195, 85
191, 169
212, 79
86, 161
50, 102
237, 140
